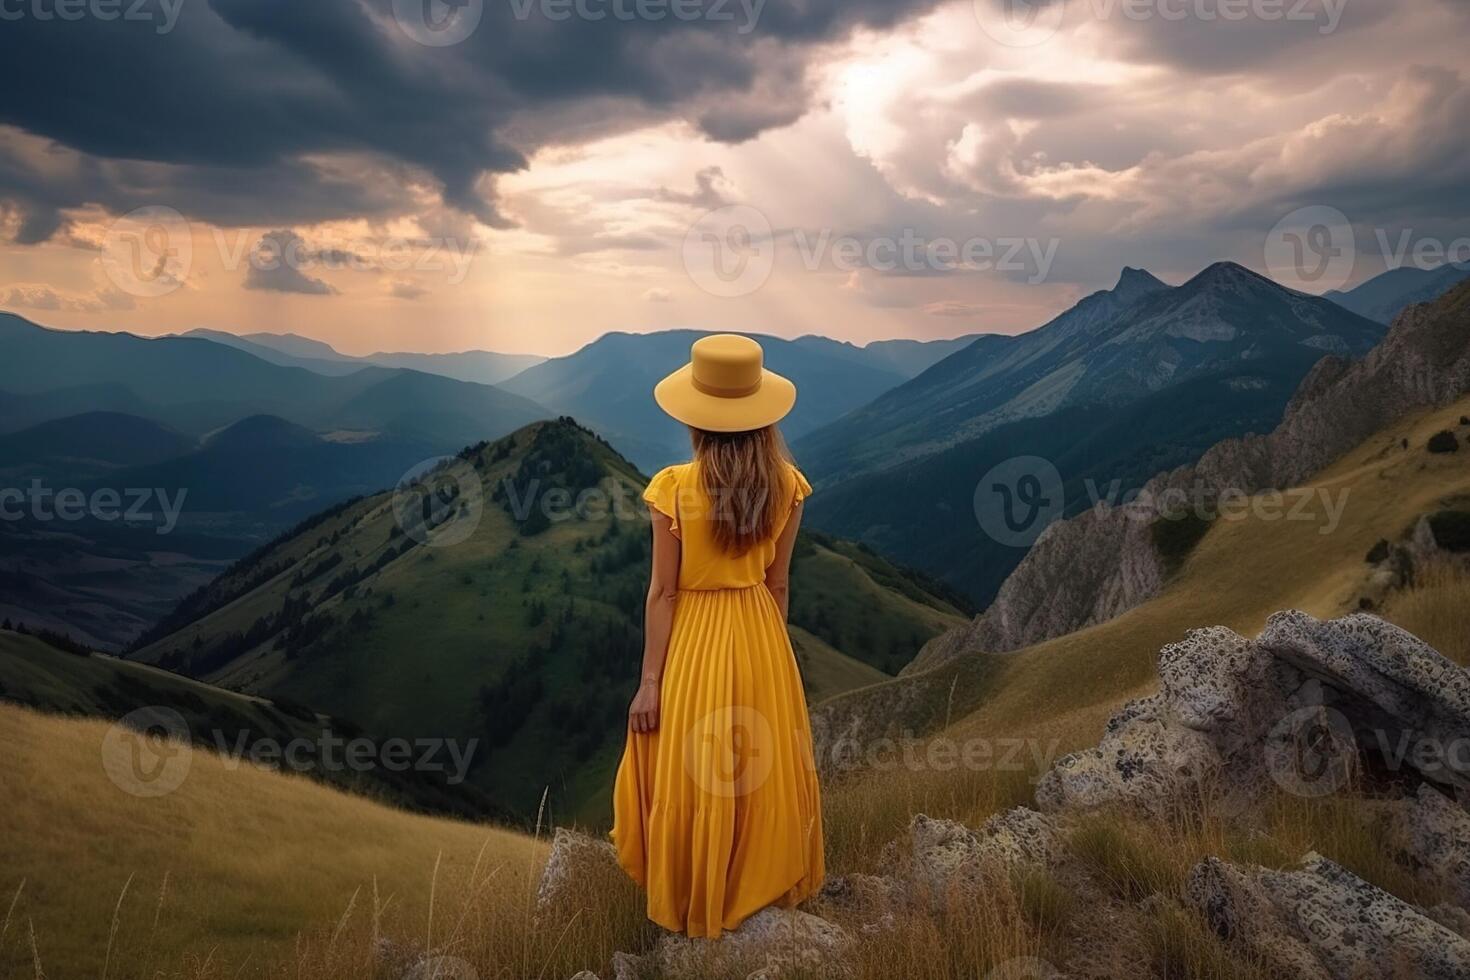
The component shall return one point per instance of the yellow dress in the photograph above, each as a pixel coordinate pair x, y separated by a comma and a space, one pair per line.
717, 814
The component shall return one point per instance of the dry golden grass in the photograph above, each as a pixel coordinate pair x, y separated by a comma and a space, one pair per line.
227, 870
1436, 608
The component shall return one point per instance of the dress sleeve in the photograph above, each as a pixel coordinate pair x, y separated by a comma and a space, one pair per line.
662, 494
802, 490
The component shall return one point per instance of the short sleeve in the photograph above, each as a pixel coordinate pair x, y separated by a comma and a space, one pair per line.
802, 490
662, 494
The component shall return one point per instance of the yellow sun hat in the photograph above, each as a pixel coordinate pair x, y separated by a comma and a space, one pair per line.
725, 387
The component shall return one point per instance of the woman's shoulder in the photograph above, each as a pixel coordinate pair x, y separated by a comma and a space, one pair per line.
672, 473
801, 489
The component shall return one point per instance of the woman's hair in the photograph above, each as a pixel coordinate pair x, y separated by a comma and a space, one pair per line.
745, 475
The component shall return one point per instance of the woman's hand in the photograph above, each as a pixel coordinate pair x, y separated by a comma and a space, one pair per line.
643, 713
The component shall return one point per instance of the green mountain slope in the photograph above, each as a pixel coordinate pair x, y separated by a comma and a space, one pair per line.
39, 675
88, 444
923, 514
476, 604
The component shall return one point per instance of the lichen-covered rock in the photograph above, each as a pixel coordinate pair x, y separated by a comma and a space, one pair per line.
870, 900
772, 944
1431, 835
626, 966
1401, 689
1020, 838
575, 861
1325, 922
1296, 707
1144, 760
1452, 917
944, 856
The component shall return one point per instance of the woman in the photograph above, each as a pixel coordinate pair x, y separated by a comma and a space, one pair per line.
717, 813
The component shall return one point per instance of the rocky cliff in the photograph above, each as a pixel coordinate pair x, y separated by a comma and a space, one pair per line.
1103, 562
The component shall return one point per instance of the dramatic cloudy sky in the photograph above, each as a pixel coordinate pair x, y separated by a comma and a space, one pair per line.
859, 168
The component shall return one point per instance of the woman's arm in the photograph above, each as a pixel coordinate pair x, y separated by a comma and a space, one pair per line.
658, 623
778, 573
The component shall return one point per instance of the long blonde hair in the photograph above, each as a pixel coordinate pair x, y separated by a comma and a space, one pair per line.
746, 476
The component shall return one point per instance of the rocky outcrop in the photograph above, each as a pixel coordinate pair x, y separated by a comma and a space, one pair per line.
1300, 707
575, 861
1325, 923
1430, 834
943, 857
1101, 563
770, 945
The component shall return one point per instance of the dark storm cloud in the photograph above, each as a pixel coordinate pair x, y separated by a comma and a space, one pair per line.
227, 114
278, 264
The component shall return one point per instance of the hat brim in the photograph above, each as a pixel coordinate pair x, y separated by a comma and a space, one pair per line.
767, 405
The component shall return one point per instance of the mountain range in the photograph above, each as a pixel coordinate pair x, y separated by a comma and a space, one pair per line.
608, 384
1113, 347
196, 386
1385, 296
290, 350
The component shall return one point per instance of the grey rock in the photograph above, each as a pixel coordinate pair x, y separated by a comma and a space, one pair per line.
1431, 834
772, 944
1452, 917
869, 899
944, 856
1325, 922
1021, 838
575, 859
1234, 715
626, 966
1401, 687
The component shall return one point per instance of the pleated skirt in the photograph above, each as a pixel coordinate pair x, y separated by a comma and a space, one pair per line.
717, 814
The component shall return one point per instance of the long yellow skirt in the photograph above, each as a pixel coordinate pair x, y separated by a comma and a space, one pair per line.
717, 814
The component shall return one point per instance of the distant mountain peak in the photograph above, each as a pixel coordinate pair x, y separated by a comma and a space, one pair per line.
1133, 283
1228, 273
261, 432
